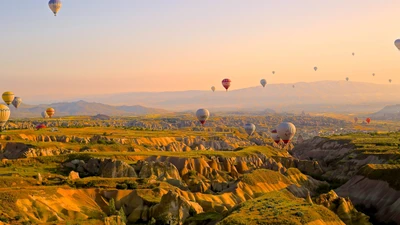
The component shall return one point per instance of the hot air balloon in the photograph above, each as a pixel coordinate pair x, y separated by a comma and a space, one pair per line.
250, 128
373, 74
16, 102
44, 115
55, 6
50, 112
273, 72
347, 79
368, 120
202, 115
40, 126
397, 43
390, 80
355, 119
293, 86
213, 88
286, 131
275, 136
353, 53
4, 115
226, 83
8, 97
263, 82
315, 68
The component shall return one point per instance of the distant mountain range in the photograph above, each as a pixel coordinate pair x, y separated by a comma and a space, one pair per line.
83, 108
390, 112
322, 96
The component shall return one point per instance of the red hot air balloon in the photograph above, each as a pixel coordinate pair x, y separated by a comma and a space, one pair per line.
368, 120
40, 126
226, 83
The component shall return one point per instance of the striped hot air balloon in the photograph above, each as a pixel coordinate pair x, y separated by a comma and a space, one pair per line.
4, 115
50, 112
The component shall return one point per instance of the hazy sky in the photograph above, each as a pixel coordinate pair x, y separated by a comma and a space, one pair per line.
106, 46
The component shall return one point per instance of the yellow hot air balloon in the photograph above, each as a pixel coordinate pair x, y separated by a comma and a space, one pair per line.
50, 112
8, 97
4, 115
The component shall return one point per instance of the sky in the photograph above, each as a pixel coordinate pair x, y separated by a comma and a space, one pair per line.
102, 46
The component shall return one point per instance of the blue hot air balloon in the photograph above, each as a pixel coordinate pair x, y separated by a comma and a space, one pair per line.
55, 6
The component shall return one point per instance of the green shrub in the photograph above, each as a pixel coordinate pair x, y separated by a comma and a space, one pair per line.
122, 186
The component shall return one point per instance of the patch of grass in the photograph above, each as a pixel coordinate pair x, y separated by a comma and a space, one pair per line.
278, 207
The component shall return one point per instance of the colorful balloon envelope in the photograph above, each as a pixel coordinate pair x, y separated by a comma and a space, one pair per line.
16, 102
55, 6
368, 120
355, 119
4, 115
286, 131
226, 83
50, 112
202, 115
8, 97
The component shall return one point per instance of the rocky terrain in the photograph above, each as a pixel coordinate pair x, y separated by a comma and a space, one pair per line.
114, 175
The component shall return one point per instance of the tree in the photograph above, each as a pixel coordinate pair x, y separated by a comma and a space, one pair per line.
111, 208
122, 215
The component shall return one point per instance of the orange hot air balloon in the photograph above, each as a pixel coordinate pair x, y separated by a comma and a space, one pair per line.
368, 120
226, 83
50, 112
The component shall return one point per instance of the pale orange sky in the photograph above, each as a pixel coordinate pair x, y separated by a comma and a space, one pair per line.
139, 46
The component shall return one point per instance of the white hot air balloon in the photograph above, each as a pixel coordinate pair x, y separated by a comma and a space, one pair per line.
275, 136
4, 115
213, 88
250, 128
315, 68
44, 115
286, 131
202, 115
263, 82
397, 43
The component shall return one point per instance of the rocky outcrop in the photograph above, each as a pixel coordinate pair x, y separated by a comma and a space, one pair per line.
159, 171
336, 158
344, 208
109, 168
374, 194
16, 150
173, 209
